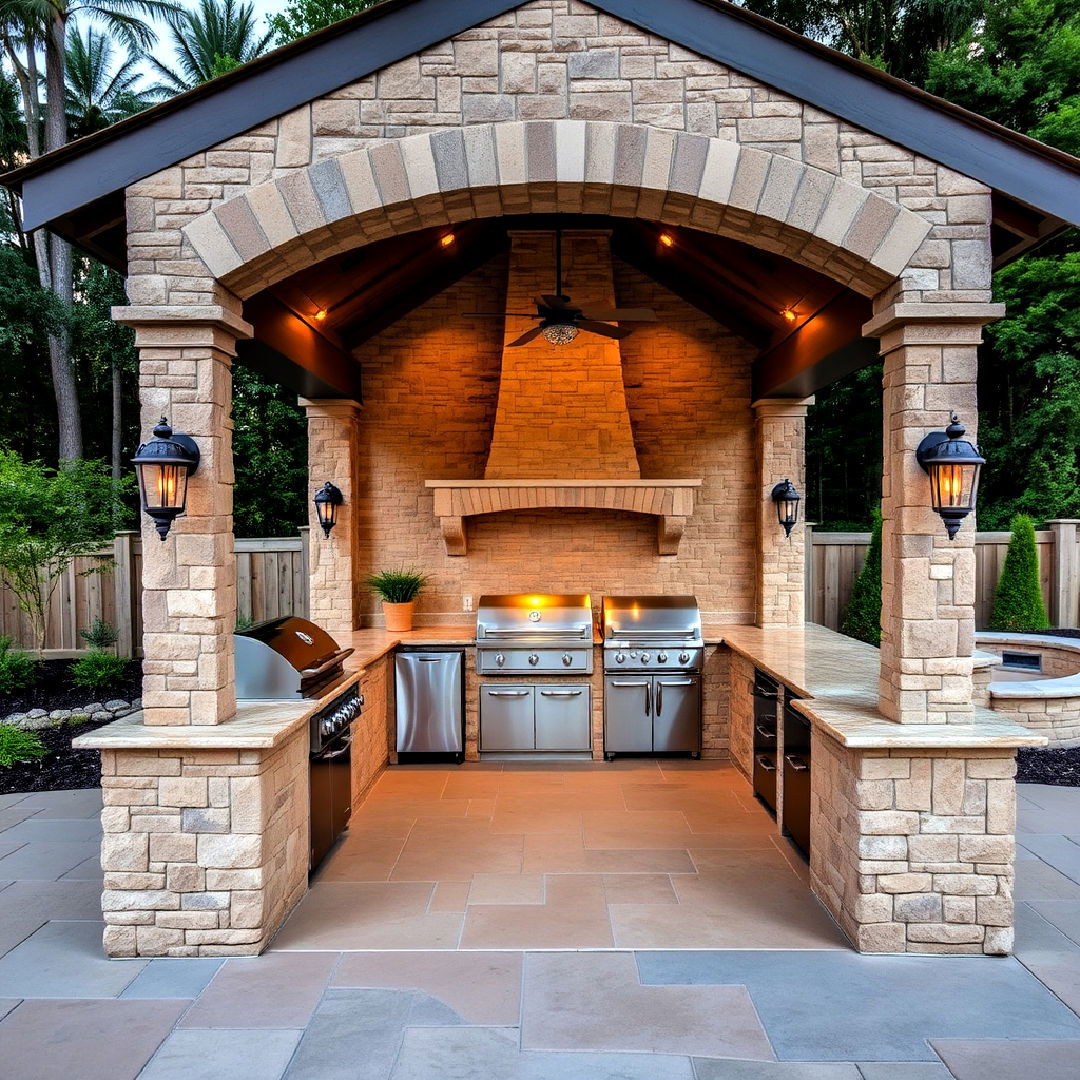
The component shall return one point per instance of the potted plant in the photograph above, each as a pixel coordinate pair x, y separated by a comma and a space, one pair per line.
398, 590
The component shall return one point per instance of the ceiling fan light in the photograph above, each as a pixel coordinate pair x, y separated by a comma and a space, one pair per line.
559, 333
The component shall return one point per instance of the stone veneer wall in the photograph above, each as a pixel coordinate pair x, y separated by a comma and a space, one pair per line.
373, 729
912, 851
204, 851
741, 705
428, 414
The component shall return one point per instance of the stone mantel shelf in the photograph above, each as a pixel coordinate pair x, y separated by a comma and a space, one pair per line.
670, 501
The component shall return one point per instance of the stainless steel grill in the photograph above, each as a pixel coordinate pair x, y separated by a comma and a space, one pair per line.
649, 633
534, 634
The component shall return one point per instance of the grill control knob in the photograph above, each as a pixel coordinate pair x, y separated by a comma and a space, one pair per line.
534, 659
645, 658
684, 657
500, 659
662, 658
567, 659
620, 657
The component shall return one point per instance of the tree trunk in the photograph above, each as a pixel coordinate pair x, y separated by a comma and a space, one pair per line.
117, 402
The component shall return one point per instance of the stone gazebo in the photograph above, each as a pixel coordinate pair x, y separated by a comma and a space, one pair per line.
819, 188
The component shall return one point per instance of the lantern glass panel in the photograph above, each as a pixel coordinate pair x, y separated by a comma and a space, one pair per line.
163, 485
953, 485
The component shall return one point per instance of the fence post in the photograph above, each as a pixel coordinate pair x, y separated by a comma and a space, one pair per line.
1065, 599
123, 573
808, 570
305, 571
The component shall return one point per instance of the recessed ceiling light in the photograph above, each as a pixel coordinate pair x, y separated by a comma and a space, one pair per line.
320, 315
667, 239
789, 314
447, 239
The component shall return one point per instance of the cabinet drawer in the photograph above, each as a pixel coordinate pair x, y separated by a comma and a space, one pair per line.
563, 718
507, 718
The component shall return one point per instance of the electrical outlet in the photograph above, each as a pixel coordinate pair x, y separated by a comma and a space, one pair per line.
466, 603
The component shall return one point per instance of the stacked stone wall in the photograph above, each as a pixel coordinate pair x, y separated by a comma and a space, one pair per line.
373, 730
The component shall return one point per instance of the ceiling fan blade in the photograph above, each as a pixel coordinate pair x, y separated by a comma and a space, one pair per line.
603, 328
525, 338
551, 301
632, 314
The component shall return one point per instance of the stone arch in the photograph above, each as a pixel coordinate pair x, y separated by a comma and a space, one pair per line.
768, 200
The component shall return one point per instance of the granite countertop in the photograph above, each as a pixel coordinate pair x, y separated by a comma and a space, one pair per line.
838, 678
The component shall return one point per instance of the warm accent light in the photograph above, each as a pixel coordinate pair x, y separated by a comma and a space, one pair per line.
327, 499
667, 239
163, 466
559, 333
954, 466
789, 314
320, 314
447, 240
786, 500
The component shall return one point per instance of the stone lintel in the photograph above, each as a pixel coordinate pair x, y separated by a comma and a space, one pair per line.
782, 406
214, 315
330, 408
897, 315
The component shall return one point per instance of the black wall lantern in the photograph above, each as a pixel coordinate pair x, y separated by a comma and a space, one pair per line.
953, 465
163, 465
786, 499
327, 499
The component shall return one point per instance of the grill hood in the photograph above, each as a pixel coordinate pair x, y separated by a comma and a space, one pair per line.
286, 658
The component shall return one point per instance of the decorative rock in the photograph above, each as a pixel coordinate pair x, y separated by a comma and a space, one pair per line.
35, 723
14, 718
36, 714
101, 717
79, 717
116, 705
136, 704
93, 707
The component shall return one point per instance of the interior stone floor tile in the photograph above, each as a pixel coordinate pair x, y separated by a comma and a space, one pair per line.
46, 860
202, 1054
493, 1053
356, 1034
438, 854
369, 915
1048, 954
54, 829
1034, 881
65, 960
554, 855
358, 858
521, 820
84, 803
182, 977
1019, 1059
449, 896
278, 990
638, 889
807, 1000
481, 987
711, 1069
84, 1040
507, 889
1064, 914
593, 1001
573, 916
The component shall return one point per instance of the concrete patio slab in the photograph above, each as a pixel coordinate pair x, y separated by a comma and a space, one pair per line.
903, 1070
1059, 851
710, 1069
64, 830
65, 960
202, 1054
1064, 914
1020, 1059
807, 1000
1049, 955
183, 977
594, 1001
83, 803
90, 1040
27, 905
46, 861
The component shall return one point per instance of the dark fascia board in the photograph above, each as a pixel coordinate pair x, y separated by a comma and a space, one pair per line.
1031, 172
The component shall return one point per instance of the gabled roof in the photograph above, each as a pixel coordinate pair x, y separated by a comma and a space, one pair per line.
78, 189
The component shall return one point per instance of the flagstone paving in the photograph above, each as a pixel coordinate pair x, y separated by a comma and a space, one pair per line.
493, 1003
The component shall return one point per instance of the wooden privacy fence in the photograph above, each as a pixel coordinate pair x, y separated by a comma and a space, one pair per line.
271, 580
833, 561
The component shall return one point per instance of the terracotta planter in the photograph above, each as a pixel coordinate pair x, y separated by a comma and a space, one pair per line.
398, 617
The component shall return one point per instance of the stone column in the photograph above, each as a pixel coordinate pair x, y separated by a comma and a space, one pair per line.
780, 441
333, 562
927, 580
189, 581
1066, 595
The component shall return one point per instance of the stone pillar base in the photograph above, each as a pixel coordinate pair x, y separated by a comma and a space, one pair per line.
913, 850
205, 852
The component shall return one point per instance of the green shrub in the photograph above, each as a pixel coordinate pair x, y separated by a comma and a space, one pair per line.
244, 622
17, 745
1018, 600
862, 618
397, 586
18, 668
100, 636
98, 670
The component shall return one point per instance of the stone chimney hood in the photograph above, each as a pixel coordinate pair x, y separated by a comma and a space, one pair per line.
562, 436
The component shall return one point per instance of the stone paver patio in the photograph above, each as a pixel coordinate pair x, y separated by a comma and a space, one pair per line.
807, 1013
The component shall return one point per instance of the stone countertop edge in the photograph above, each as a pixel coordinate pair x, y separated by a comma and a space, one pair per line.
258, 725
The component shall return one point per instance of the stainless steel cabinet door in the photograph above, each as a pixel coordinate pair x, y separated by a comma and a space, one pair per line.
676, 713
628, 718
429, 702
563, 718
507, 718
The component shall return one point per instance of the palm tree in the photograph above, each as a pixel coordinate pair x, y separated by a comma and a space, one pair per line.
25, 27
99, 91
214, 38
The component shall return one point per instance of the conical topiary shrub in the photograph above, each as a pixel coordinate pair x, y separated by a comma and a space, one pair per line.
862, 619
1018, 599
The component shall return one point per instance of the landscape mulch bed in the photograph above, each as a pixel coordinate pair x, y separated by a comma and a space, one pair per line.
62, 769
1059, 766
55, 690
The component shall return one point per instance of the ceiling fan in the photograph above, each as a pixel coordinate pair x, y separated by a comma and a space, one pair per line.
561, 319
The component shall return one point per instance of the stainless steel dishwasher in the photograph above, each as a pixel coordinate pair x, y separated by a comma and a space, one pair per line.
430, 689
